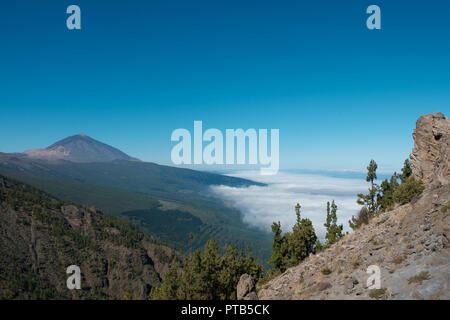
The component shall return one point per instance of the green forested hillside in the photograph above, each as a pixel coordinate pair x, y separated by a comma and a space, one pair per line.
40, 236
167, 203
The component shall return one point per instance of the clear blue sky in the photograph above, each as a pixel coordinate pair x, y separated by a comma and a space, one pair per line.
339, 93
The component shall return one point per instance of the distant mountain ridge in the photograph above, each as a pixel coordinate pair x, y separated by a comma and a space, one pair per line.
40, 236
79, 148
165, 202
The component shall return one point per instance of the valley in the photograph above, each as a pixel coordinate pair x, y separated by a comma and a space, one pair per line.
143, 193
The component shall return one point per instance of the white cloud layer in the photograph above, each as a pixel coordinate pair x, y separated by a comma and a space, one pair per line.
263, 205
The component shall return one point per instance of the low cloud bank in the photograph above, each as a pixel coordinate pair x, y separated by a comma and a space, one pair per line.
275, 202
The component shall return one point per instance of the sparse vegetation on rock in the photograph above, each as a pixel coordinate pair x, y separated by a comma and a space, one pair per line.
398, 238
40, 236
419, 278
377, 293
326, 271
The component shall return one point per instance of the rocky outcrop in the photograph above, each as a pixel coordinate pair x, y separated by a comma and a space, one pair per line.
431, 154
409, 245
246, 288
40, 236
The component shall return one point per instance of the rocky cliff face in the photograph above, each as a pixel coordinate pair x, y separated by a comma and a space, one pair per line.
410, 245
431, 154
40, 236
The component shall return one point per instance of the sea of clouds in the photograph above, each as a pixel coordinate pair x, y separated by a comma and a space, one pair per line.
262, 205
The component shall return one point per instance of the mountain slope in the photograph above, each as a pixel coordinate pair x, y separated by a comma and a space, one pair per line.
79, 148
410, 244
403, 243
166, 202
137, 176
40, 236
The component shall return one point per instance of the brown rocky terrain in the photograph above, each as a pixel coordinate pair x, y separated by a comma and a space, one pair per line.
431, 154
410, 244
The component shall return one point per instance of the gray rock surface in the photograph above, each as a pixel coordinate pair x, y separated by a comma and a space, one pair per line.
410, 244
246, 288
431, 153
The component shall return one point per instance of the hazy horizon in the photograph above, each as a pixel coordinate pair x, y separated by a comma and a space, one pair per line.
229, 169
262, 205
340, 94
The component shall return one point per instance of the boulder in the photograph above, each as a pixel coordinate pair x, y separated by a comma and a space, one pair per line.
246, 288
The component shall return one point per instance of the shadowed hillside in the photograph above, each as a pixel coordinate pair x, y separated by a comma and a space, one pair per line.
40, 236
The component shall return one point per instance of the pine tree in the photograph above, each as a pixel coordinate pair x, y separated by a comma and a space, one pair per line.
210, 263
278, 248
207, 275
385, 198
408, 190
406, 171
192, 286
292, 248
251, 267
387, 194
318, 247
301, 241
231, 266
369, 200
297, 212
169, 286
229, 272
191, 240
334, 231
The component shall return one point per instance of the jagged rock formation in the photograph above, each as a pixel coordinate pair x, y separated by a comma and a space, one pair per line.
165, 202
410, 244
40, 236
431, 154
246, 288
